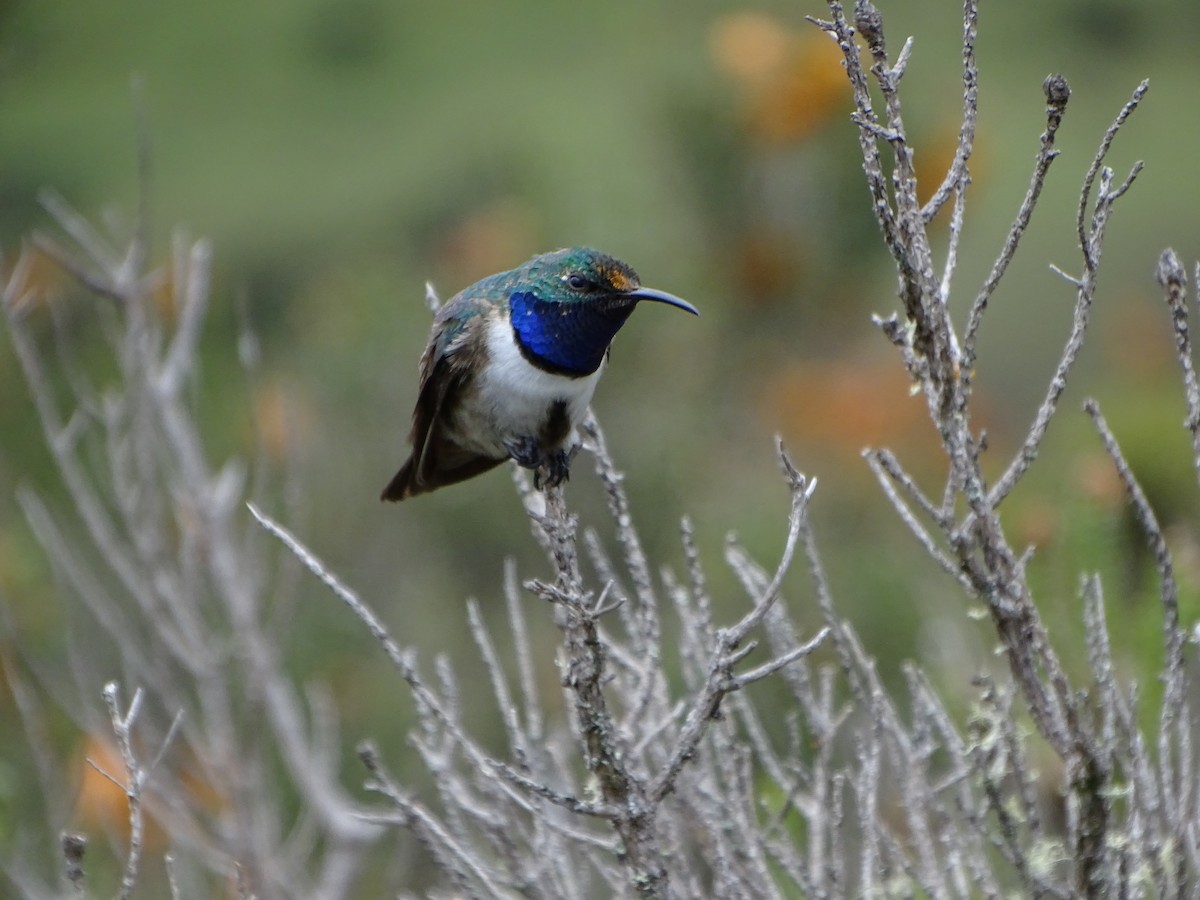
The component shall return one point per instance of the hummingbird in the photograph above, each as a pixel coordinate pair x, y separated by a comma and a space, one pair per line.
511, 366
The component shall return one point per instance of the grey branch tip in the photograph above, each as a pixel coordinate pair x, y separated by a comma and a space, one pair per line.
798, 480
1170, 272
1058, 92
869, 22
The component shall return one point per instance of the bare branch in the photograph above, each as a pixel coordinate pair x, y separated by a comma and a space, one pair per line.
957, 177
770, 668
1172, 277
887, 470
840, 30
135, 781
1173, 636
720, 679
1091, 253
1057, 94
1091, 243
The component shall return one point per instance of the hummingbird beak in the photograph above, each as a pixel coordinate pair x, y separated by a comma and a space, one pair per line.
645, 293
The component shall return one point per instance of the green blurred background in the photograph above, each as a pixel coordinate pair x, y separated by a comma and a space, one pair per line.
340, 154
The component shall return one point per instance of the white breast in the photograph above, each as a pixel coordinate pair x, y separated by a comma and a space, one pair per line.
514, 398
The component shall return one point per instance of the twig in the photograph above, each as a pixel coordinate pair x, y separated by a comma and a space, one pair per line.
135, 777
957, 177
726, 654
841, 31
887, 470
1057, 94
773, 666
1091, 252
1090, 244
1172, 277
172, 877
456, 859
1173, 636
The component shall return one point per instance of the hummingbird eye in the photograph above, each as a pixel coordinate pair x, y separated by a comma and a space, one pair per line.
577, 282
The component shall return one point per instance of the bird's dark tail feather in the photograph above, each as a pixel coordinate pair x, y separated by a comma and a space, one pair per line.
408, 482
402, 485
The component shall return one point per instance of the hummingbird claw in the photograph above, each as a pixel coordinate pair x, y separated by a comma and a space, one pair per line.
557, 469
549, 469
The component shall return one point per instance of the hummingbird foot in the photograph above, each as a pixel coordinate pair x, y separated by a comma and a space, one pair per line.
556, 469
549, 469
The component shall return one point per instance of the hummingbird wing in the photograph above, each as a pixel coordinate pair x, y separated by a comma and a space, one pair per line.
447, 367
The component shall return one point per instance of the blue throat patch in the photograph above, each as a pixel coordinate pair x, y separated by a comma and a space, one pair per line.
565, 338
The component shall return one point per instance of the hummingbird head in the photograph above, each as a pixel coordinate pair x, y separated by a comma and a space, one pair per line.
568, 305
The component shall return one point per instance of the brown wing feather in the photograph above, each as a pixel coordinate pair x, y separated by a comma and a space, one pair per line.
435, 460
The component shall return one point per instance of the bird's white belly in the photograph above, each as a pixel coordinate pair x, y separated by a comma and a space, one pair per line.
514, 398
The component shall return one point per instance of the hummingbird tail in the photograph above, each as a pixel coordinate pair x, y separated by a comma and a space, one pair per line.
402, 485
409, 482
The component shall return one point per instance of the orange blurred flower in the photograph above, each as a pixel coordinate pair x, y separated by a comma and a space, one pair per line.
768, 264
853, 403
1098, 478
1036, 523
792, 82
488, 239
162, 295
1135, 341
101, 805
43, 278
282, 419
750, 46
933, 160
